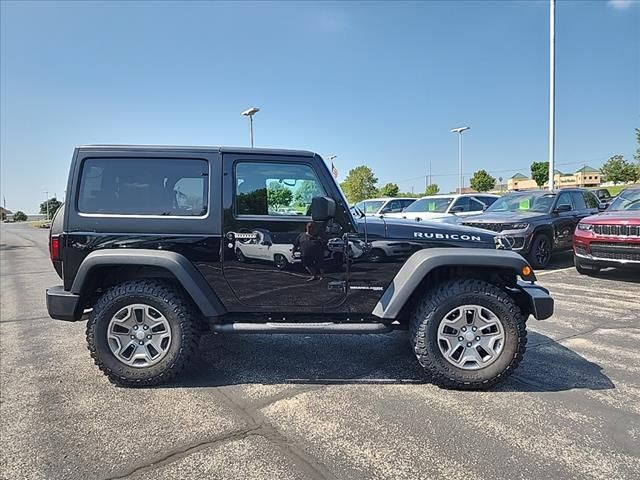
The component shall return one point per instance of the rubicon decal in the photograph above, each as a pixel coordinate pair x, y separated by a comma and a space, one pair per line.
447, 236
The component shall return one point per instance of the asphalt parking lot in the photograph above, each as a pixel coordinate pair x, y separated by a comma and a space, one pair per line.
321, 407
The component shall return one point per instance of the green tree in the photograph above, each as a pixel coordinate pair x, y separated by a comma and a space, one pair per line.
20, 216
360, 184
390, 190
305, 192
540, 172
482, 181
278, 196
618, 170
54, 205
432, 189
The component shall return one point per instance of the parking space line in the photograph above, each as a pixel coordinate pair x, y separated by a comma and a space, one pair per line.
547, 272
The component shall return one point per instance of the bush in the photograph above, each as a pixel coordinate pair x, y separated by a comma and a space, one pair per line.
20, 216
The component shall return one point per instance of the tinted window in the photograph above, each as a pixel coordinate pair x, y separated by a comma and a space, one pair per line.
144, 186
488, 201
406, 203
393, 206
564, 199
591, 200
468, 204
430, 204
275, 188
578, 201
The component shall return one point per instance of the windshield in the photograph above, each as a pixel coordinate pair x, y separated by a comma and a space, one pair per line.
627, 200
369, 206
524, 202
433, 204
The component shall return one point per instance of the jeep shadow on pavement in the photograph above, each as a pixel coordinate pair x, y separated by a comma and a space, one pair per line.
147, 247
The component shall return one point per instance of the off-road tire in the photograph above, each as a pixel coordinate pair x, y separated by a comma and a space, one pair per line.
582, 270
179, 311
436, 303
535, 262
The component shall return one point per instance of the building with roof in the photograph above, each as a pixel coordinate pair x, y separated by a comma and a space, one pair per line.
584, 177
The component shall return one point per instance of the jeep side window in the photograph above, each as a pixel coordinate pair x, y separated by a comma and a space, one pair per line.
564, 199
578, 200
591, 200
144, 186
275, 189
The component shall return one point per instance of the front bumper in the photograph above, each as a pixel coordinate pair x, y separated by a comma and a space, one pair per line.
537, 300
63, 305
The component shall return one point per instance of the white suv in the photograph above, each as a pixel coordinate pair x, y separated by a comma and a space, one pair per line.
446, 208
383, 206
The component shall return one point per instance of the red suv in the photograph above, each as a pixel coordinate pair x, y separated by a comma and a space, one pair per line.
612, 238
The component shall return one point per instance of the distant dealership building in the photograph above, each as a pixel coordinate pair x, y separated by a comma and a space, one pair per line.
584, 177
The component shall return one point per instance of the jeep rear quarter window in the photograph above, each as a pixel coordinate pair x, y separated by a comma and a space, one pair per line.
144, 186
275, 188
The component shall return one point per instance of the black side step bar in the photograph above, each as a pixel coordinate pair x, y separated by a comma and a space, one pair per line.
280, 327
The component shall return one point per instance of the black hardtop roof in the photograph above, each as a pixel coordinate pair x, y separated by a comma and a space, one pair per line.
203, 148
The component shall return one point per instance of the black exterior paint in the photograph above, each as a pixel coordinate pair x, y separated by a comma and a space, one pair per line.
376, 248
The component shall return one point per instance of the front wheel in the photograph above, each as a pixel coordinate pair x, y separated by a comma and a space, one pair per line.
142, 333
468, 334
280, 261
540, 253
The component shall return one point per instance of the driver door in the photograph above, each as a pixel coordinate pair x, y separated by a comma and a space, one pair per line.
267, 200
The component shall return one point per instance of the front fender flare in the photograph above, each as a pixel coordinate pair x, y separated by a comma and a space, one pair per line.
182, 269
418, 266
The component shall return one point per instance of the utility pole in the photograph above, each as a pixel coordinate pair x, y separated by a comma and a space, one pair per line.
250, 113
47, 203
552, 91
459, 131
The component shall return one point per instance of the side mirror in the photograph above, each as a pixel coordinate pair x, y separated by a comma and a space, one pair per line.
267, 243
602, 207
456, 209
322, 208
565, 207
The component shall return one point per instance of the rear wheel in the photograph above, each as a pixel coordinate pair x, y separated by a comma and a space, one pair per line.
142, 333
468, 334
540, 253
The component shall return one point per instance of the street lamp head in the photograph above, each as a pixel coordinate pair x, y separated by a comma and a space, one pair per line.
459, 129
250, 112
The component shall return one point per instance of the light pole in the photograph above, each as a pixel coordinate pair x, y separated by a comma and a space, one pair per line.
459, 131
250, 113
552, 91
47, 203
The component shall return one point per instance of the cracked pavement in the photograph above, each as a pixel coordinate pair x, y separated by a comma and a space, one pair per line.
320, 407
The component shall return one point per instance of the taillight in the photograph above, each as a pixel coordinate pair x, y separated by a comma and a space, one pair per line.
54, 248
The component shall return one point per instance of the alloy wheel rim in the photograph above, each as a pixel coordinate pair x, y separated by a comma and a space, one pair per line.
471, 337
542, 252
139, 335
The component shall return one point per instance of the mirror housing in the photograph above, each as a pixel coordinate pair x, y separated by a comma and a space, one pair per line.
602, 207
565, 207
322, 209
456, 209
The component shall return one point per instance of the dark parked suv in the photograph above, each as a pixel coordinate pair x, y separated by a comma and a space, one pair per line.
147, 248
538, 222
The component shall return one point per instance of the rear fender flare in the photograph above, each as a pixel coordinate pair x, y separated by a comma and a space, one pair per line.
182, 269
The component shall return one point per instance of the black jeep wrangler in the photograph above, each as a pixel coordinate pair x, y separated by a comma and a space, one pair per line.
157, 245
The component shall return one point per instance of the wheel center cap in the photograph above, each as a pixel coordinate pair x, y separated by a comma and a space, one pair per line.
139, 334
469, 336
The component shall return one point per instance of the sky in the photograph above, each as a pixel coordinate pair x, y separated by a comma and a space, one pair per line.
375, 83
